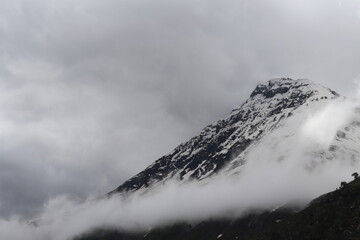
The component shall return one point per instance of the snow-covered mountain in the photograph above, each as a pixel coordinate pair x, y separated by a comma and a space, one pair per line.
267, 121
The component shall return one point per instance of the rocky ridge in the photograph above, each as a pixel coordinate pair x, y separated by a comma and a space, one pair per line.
224, 145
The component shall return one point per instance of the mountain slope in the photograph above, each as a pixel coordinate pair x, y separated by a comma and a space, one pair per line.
282, 125
227, 141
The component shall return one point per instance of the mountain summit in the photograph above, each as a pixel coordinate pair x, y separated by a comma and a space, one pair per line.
251, 174
223, 146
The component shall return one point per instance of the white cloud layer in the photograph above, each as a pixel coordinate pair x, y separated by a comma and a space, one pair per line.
323, 125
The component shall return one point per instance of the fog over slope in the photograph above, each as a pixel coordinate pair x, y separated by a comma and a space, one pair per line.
264, 183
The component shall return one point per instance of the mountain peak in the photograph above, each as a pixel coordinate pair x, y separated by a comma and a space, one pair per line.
281, 86
225, 144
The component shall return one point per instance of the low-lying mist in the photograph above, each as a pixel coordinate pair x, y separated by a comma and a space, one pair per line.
291, 164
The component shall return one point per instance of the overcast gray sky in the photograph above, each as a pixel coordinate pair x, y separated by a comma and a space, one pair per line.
92, 91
